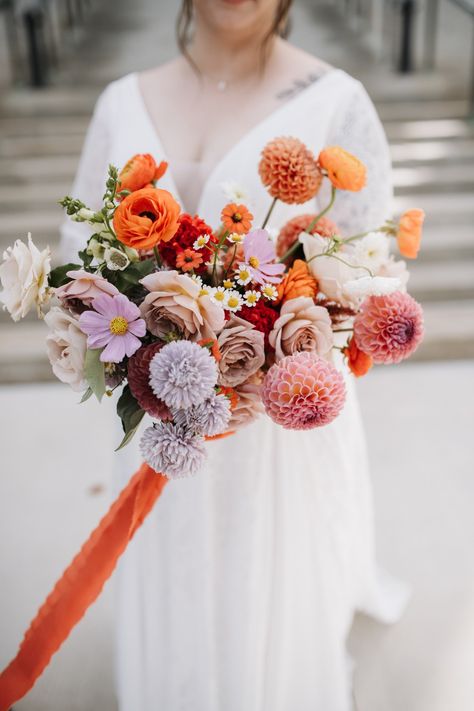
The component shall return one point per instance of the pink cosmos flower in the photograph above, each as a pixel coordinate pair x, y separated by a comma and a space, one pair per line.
260, 256
114, 323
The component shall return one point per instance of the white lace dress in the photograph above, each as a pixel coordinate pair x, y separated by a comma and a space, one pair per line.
239, 591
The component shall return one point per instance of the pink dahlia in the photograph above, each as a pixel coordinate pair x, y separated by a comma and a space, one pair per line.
390, 327
114, 323
303, 391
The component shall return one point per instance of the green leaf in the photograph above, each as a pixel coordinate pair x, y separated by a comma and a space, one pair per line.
94, 372
58, 276
130, 413
86, 396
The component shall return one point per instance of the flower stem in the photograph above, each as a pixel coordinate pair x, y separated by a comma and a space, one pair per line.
270, 210
314, 222
157, 256
231, 261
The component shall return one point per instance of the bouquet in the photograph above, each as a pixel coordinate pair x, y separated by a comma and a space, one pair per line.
205, 328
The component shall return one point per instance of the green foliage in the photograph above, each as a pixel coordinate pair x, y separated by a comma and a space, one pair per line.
94, 372
130, 413
58, 276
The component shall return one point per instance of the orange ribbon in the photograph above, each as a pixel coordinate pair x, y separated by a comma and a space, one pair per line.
80, 584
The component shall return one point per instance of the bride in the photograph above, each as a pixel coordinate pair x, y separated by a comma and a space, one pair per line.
239, 591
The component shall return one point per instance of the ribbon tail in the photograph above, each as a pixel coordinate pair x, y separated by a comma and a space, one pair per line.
80, 584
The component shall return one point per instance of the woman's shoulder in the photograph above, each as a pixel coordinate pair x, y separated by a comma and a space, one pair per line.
301, 68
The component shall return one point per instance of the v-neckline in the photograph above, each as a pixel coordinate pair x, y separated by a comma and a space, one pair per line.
275, 114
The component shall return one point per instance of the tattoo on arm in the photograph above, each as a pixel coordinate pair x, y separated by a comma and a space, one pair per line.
297, 87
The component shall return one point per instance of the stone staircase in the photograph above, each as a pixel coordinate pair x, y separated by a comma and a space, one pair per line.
433, 156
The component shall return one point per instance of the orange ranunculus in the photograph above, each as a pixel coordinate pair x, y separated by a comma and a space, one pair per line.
236, 218
409, 232
345, 171
297, 282
146, 217
359, 362
140, 171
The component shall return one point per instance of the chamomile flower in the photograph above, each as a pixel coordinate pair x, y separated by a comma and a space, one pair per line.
201, 241
205, 290
235, 238
251, 297
228, 284
197, 279
218, 294
233, 300
243, 275
270, 292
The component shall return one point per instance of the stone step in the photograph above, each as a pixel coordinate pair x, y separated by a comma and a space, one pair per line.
57, 101
428, 130
441, 209
27, 170
430, 179
449, 333
428, 109
441, 281
42, 126
425, 153
20, 147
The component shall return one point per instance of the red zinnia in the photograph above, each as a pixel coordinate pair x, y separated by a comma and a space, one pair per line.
189, 229
262, 317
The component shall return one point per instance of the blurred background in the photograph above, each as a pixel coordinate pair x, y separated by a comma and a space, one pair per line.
416, 59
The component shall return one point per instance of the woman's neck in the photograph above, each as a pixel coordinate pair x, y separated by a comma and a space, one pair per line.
233, 62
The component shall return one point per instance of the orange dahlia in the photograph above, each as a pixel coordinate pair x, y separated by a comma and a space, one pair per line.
409, 232
236, 218
297, 282
140, 171
290, 232
289, 170
359, 362
188, 259
344, 170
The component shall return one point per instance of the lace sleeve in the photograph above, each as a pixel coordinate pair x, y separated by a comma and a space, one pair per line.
358, 129
90, 178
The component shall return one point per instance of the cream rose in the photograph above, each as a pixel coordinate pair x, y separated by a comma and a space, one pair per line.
24, 278
249, 405
301, 326
242, 351
175, 304
330, 272
66, 345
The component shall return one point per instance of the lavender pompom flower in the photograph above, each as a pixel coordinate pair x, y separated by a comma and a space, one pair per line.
183, 374
172, 450
209, 418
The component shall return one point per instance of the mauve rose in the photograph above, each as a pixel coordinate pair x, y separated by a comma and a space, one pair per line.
242, 351
249, 405
84, 287
301, 326
175, 304
66, 345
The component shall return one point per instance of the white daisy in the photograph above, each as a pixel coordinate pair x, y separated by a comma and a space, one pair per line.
243, 275
228, 284
197, 279
235, 238
372, 250
201, 241
251, 297
233, 300
270, 292
218, 294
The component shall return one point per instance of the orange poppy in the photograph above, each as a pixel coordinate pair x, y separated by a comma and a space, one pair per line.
146, 217
140, 171
297, 282
344, 170
359, 362
236, 218
188, 259
409, 232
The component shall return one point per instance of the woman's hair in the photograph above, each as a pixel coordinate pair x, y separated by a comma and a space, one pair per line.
280, 25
